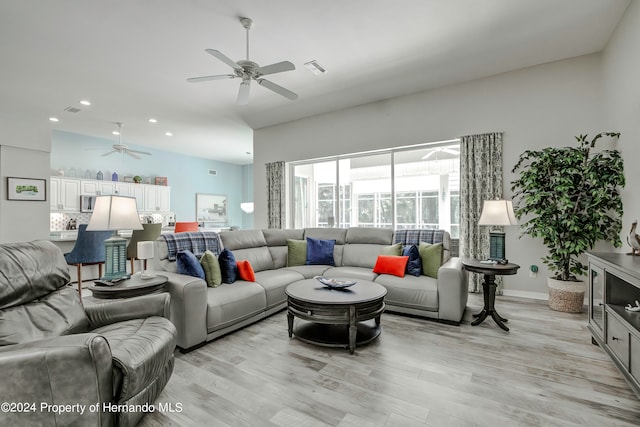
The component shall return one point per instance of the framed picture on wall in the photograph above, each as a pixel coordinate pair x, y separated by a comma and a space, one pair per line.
211, 208
31, 189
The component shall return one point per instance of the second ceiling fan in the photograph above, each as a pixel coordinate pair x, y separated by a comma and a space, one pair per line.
248, 70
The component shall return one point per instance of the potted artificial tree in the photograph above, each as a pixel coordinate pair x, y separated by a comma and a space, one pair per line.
570, 198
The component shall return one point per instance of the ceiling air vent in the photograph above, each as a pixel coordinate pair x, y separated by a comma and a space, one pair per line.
72, 109
213, 172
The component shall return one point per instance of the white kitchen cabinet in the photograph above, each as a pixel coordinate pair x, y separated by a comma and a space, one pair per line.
137, 191
65, 194
98, 188
123, 188
157, 198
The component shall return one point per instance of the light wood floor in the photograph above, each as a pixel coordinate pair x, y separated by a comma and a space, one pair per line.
545, 372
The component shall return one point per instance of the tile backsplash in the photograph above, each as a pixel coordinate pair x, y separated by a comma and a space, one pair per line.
59, 220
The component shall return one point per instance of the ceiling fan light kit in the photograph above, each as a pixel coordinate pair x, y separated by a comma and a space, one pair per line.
248, 70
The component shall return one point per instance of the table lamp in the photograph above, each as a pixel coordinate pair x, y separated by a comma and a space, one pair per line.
145, 252
115, 213
497, 213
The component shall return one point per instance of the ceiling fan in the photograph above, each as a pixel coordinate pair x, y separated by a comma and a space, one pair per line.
122, 148
248, 70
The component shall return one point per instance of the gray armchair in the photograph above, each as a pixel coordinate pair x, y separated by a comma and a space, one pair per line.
54, 351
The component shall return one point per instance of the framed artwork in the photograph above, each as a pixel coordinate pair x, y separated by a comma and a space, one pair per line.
211, 208
26, 189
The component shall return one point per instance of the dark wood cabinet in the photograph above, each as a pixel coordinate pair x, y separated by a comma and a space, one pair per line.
614, 282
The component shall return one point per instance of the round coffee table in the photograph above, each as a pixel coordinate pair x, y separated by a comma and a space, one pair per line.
133, 287
328, 311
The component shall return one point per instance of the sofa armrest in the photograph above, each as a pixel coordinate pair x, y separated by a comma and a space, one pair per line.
188, 308
453, 290
71, 369
113, 311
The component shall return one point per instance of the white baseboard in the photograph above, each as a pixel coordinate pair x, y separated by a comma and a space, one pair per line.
526, 294
533, 295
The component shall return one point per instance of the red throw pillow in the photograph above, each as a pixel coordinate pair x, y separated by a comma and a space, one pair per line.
245, 271
391, 264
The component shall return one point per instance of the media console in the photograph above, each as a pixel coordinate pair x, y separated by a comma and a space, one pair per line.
614, 282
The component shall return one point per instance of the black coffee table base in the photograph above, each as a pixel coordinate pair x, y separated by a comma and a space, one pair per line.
336, 335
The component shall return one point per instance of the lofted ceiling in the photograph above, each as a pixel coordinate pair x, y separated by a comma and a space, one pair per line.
131, 58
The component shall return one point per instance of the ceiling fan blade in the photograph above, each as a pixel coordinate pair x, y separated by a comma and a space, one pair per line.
224, 58
243, 93
278, 67
129, 153
139, 152
205, 78
110, 152
278, 89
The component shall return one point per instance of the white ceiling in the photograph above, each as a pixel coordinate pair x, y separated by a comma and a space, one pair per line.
130, 58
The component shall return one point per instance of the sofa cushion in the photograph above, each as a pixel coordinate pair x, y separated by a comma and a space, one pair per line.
296, 252
141, 349
309, 271
275, 282
337, 234
228, 266
363, 255
188, 264
55, 314
279, 236
357, 273
228, 304
211, 267
320, 252
379, 236
259, 257
242, 239
409, 291
431, 256
389, 264
414, 265
245, 271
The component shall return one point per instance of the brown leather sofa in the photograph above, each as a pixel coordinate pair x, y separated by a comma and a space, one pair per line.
60, 358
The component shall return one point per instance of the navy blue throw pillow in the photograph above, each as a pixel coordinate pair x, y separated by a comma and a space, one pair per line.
228, 266
188, 264
414, 265
320, 252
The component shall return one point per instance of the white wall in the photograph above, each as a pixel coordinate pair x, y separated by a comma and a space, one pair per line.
621, 83
535, 107
24, 152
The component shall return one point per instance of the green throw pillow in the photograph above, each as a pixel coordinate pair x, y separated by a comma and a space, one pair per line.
394, 250
296, 252
431, 256
211, 267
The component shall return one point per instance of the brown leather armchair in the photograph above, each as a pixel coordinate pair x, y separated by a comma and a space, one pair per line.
54, 351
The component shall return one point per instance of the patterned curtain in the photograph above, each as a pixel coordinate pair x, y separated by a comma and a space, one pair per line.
275, 194
480, 180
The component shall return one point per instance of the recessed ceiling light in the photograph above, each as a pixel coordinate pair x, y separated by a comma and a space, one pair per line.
85, 102
168, 133
53, 119
152, 120
115, 132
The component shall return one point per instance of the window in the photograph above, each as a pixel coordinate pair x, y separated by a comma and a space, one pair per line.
416, 187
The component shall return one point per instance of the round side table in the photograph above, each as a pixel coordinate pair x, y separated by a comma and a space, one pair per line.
489, 287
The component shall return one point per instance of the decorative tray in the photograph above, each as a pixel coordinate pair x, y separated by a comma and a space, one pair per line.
335, 283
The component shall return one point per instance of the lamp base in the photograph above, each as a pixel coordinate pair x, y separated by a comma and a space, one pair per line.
116, 259
496, 246
146, 275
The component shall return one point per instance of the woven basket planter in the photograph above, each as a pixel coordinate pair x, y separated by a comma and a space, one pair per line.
566, 296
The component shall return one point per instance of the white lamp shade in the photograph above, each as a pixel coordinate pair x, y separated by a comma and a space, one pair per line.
145, 250
247, 207
497, 212
114, 213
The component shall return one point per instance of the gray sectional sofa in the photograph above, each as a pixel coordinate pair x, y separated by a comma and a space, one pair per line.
202, 313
